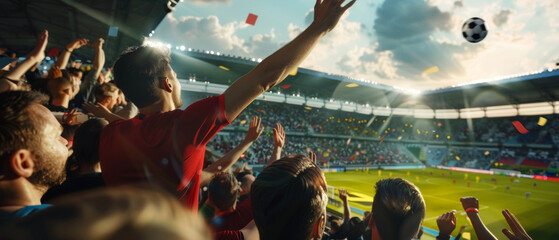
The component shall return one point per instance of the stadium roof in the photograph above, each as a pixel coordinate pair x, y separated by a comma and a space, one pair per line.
67, 20
218, 68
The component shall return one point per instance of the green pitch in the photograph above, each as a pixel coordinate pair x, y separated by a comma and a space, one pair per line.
539, 214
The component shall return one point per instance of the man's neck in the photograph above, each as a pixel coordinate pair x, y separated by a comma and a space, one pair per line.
161, 106
21, 194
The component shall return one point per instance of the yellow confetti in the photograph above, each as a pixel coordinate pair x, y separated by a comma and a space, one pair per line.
542, 121
399, 138
243, 122
486, 153
433, 69
224, 68
352, 85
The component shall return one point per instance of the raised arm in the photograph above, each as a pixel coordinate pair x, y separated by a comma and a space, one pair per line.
272, 70
279, 142
33, 58
343, 197
232, 156
99, 60
101, 111
471, 206
64, 56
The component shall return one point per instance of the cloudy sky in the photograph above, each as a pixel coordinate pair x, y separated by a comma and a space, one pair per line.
387, 41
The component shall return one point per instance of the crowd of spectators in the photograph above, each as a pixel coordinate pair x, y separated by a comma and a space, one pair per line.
305, 119
108, 154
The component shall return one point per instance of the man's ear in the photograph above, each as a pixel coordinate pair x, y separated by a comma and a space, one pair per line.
166, 84
67, 91
22, 163
106, 100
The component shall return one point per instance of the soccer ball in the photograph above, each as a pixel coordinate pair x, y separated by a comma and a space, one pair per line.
474, 30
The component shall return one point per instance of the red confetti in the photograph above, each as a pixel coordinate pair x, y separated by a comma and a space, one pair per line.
260, 110
519, 127
251, 19
286, 86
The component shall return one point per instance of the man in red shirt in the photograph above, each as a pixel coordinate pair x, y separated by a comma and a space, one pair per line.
166, 146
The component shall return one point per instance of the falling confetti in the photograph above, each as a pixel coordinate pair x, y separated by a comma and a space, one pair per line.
542, 121
251, 19
519, 127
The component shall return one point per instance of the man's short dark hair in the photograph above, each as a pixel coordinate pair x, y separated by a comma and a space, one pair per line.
86, 143
104, 91
288, 198
74, 71
398, 208
242, 177
223, 190
17, 128
138, 72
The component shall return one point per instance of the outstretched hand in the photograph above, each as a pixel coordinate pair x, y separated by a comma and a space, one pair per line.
447, 223
343, 194
312, 156
78, 43
327, 13
518, 232
38, 53
469, 202
254, 129
99, 43
279, 136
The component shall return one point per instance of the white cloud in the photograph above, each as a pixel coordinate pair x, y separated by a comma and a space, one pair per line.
207, 2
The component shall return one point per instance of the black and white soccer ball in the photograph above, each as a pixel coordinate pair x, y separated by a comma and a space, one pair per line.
474, 30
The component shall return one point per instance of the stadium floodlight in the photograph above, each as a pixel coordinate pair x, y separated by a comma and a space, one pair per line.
471, 113
501, 111
446, 114
530, 109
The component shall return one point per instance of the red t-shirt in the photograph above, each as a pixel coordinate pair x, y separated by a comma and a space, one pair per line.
233, 220
166, 149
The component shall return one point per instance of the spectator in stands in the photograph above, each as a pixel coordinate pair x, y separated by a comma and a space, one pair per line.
289, 199
106, 95
60, 91
32, 152
224, 163
90, 80
223, 192
109, 98
12, 80
119, 213
166, 146
340, 229
82, 168
245, 178
398, 210
125, 108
